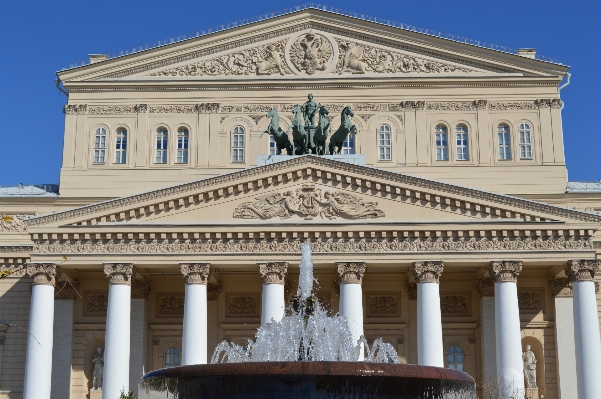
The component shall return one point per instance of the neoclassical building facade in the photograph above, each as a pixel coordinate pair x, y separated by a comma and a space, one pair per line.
445, 224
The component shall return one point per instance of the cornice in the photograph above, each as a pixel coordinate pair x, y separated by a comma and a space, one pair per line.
387, 181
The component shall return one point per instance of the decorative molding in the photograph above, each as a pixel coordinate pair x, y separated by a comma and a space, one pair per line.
172, 109
119, 273
583, 269
311, 52
242, 304
455, 304
13, 270
451, 106
512, 106
155, 109
66, 289
365, 117
428, 271
340, 167
195, 273
356, 58
383, 304
531, 300
140, 288
309, 202
319, 245
75, 109
481, 104
169, 304
485, 286
505, 271
561, 287
412, 105
95, 303
411, 290
554, 103
142, 108
257, 118
43, 273
273, 272
16, 248
112, 109
13, 223
350, 272
213, 291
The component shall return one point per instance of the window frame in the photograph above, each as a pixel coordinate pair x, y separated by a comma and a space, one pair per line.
171, 356
507, 143
165, 150
465, 146
178, 150
442, 147
451, 350
530, 144
105, 148
383, 146
238, 149
272, 150
349, 146
120, 151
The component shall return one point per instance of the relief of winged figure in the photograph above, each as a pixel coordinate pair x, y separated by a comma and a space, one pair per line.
353, 58
271, 59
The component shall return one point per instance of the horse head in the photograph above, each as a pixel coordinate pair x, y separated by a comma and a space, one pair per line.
348, 111
272, 112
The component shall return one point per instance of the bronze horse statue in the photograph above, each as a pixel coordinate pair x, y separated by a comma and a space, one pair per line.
282, 141
321, 132
299, 134
346, 127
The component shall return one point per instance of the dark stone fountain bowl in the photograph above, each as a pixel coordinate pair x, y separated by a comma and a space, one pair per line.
291, 380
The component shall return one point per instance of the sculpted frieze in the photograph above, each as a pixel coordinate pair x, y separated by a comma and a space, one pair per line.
512, 106
13, 223
320, 245
455, 304
357, 58
113, 109
309, 202
311, 53
172, 109
451, 106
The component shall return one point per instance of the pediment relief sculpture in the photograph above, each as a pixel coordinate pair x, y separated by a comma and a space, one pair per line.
308, 202
311, 52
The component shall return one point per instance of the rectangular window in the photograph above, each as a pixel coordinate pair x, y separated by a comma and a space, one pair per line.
238, 148
121, 146
504, 146
272, 146
462, 143
348, 147
442, 147
385, 146
525, 141
182, 146
161, 148
100, 145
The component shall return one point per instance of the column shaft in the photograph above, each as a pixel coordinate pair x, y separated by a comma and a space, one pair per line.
350, 278
194, 342
62, 349
38, 363
429, 323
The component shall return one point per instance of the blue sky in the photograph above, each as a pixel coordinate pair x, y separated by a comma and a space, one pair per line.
38, 38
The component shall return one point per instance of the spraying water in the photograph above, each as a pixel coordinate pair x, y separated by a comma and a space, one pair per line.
307, 334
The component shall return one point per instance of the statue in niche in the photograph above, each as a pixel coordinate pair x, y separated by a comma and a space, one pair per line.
529, 367
98, 373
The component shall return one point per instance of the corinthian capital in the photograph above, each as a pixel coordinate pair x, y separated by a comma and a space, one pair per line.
583, 269
273, 272
195, 273
119, 273
428, 271
350, 272
43, 273
505, 270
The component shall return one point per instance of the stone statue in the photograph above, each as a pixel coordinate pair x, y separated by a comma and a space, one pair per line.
271, 60
309, 109
353, 58
282, 141
529, 367
98, 369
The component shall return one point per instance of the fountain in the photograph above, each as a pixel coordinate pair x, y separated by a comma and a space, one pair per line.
308, 354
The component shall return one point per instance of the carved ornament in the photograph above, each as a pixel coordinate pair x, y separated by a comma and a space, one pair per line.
311, 52
512, 106
454, 304
485, 286
505, 271
13, 223
530, 301
13, 270
561, 286
75, 109
383, 304
413, 105
169, 305
427, 271
583, 269
451, 106
96, 303
119, 273
350, 272
43, 273
554, 103
242, 305
195, 273
112, 110
481, 104
309, 202
412, 290
273, 272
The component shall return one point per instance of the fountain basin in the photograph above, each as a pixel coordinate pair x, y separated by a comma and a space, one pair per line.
291, 380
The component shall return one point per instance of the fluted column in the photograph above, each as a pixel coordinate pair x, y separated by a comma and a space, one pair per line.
510, 371
429, 324
350, 278
586, 326
273, 301
117, 336
38, 361
194, 342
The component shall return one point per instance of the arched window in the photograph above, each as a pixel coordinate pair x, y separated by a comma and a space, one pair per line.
525, 141
272, 146
348, 147
182, 145
504, 143
385, 143
463, 153
100, 145
161, 148
172, 357
442, 146
238, 142
121, 146
455, 358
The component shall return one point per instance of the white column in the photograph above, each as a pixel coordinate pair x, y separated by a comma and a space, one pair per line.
38, 360
486, 288
137, 342
350, 278
194, 341
117, 336
429, 323
62, 350
273, 301
567, 380
586, 326
510, 371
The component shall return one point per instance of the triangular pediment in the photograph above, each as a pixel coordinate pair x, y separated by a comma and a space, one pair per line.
310, 44
315, 190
